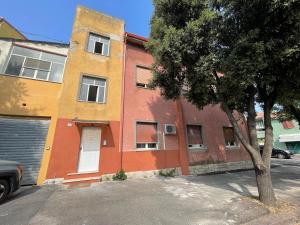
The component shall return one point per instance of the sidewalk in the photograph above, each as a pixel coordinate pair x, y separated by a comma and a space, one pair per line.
222, 199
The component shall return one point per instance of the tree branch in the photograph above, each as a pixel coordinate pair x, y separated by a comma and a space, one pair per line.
255, 155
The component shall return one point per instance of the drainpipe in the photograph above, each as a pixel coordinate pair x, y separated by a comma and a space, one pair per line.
183, 151
122, 101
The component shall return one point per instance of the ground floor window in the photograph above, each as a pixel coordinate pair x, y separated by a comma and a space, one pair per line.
194, 135
146, 135
229, 136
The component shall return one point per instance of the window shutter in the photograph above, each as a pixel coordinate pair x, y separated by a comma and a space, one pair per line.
194, 134
143, 75
146, 132
229, 134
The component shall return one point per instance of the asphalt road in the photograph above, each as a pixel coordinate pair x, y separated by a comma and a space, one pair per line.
214, 199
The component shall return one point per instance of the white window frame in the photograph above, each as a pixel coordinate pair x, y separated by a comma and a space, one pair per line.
99, 37
147, 143
235, 145
36, 70
94, 84
147, 147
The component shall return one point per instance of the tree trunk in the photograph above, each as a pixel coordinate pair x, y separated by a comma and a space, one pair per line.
265, 188
262, 168
260, 177
255, 155
251, 122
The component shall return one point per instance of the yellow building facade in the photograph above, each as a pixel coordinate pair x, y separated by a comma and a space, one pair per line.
90, 100
29, 104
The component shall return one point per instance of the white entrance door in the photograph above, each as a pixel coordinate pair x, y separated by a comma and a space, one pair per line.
89, 149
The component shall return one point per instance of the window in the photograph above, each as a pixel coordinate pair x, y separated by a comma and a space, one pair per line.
194, 135
260, 125
143, 76
288, 124
92, 89
35, 64
146, 135
98, 44
229, 137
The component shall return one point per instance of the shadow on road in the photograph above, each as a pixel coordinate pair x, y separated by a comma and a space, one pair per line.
22, 192
285, 177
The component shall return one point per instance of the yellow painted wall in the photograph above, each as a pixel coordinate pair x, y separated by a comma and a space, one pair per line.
82, 62
41, 99
7, 31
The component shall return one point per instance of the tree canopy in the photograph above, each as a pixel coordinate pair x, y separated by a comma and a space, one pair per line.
234, 53
255, 43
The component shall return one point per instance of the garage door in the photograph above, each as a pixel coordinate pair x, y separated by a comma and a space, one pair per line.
23, 140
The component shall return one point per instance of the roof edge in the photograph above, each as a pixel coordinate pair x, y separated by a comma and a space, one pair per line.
36, 41
135, 36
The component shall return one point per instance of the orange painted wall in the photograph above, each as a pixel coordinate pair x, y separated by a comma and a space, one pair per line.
150, 160
65, 150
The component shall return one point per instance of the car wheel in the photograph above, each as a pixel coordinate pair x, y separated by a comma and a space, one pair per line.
280, 156
4, 190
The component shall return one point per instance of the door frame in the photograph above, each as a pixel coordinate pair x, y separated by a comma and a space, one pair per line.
80, 150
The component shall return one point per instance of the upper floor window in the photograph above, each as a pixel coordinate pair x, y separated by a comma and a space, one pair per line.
194, 135
98, 44
35, 64
92, 89
143, 76
146, 135
229, 136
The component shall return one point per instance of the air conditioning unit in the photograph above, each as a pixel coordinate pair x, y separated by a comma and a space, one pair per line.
170, 129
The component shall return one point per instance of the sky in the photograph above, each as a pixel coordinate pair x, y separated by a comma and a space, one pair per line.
52, 20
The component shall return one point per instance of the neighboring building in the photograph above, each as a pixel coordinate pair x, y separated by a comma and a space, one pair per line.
86, 142
9, 31
31, 75
201, 138
286, 133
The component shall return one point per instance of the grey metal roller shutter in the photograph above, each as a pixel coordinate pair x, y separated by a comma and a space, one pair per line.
23, 140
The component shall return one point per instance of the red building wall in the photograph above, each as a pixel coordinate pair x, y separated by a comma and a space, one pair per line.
213, 119
142, 104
